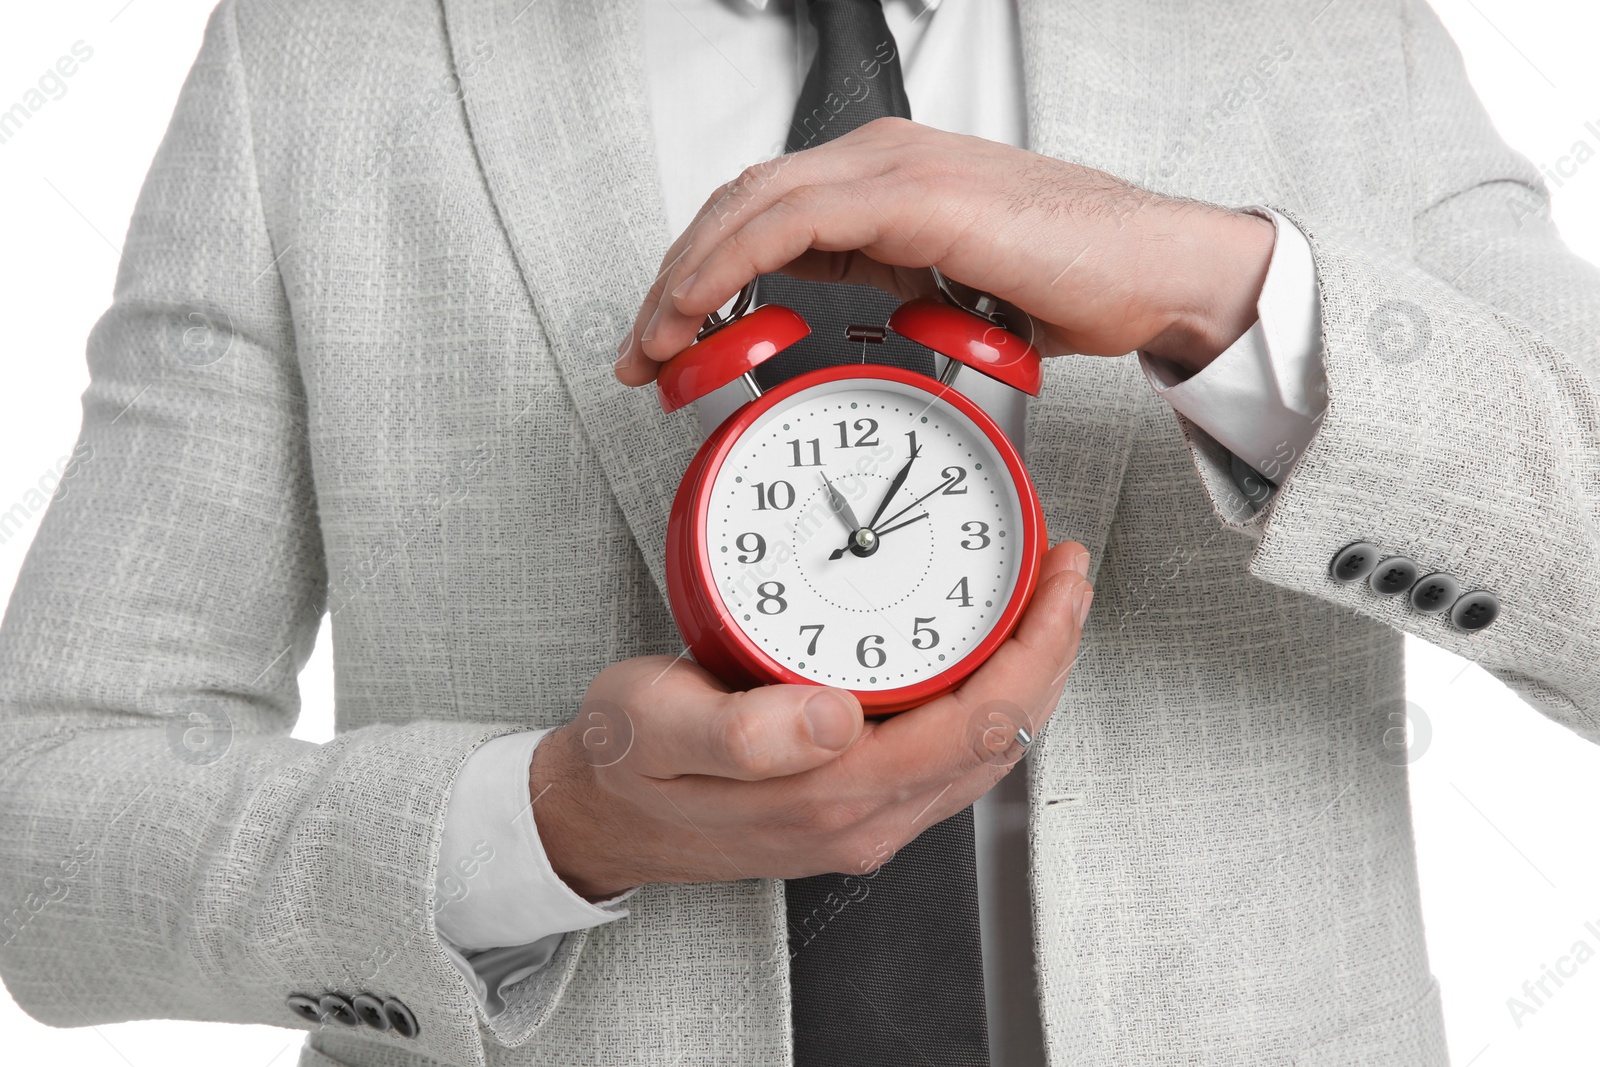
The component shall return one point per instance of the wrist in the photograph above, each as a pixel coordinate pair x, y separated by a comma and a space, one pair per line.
562, 787
1215, 264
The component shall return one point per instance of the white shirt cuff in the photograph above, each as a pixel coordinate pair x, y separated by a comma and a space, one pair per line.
1264, 397
499, 905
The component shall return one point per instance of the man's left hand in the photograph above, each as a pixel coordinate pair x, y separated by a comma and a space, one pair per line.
1101, 266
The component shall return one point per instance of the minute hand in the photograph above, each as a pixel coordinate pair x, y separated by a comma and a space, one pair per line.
914, 503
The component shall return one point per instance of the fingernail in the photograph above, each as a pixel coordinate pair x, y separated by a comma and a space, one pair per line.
624, 347
1080, 563
1084, 600
831, 717
650, 327
685, 285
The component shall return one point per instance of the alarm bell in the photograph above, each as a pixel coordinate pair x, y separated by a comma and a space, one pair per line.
730, 347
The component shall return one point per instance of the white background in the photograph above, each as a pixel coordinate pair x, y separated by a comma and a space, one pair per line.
1504, 801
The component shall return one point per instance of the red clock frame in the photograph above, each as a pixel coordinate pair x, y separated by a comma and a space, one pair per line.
720, 645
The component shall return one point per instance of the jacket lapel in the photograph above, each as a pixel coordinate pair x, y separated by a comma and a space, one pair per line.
559, 117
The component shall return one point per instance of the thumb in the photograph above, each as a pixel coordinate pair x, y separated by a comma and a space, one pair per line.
693, 726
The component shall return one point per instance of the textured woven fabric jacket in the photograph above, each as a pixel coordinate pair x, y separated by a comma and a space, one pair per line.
359, 361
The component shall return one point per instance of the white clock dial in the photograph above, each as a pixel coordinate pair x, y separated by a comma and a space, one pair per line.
885, 609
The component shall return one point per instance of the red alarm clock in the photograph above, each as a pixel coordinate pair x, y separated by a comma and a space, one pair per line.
858, 526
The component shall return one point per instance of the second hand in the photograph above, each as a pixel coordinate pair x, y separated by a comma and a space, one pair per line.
901, 526
914, 503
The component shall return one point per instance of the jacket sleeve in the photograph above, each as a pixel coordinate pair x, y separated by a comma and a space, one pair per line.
1463, 428
166, 849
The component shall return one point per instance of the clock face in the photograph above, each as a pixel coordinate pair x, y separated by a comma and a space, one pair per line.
864, 533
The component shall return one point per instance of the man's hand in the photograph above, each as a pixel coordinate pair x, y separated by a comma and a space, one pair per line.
1102, 267
665, 776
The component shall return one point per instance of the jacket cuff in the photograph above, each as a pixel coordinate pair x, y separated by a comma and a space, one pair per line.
1451, 442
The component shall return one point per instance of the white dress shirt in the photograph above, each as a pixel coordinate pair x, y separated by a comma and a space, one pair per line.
723, 77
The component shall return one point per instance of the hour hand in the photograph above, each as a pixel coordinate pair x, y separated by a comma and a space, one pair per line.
841, 506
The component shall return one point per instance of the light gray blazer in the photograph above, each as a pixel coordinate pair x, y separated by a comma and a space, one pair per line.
359, 360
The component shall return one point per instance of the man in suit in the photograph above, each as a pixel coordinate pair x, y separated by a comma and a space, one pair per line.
425, 228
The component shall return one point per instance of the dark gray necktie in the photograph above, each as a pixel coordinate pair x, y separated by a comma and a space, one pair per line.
854, 79
887, 968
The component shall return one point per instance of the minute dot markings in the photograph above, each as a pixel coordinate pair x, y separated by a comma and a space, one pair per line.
994, 590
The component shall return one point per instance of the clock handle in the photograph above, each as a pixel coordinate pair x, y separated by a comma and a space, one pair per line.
726, 348
741, 304
983, 304
974, 335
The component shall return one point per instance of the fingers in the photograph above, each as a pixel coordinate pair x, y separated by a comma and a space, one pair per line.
665, 324
663, 719
755, 762
919, 767
880, 221
684, 722
631, 367
721, 211
822, 218
958, 734
1047, 636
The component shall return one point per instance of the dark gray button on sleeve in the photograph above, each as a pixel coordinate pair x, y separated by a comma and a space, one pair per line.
1354, 562
337, 1009
1393, 576
306, 1008
370, 1009
1434, 593
400, 1018
1475, 610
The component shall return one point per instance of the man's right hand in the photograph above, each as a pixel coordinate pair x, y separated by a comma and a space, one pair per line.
666, 776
